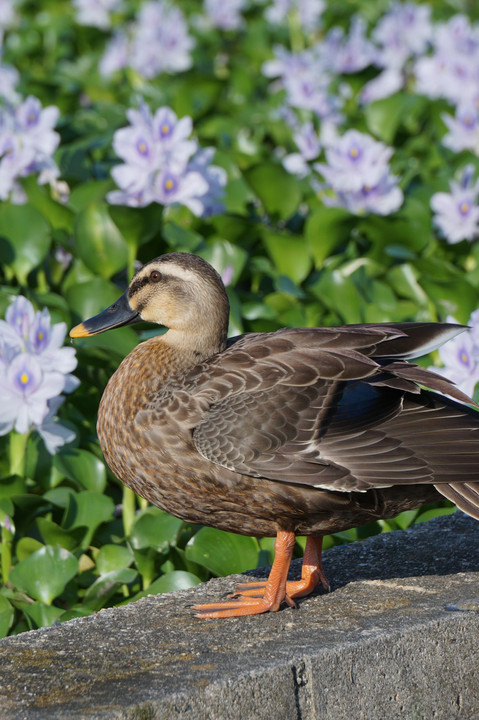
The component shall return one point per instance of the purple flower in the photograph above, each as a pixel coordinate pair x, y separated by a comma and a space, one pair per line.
156, 42
34, 371
161, 42
225, 15
27, 143
358, 176
460, 357
348, 54
116, 55
96, 13
383, 85
308, 11
309, 146
463, 129
452, 71
457, 212
306, 79
404, 31
162, 164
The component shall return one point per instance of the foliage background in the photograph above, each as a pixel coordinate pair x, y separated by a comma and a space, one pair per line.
81, 541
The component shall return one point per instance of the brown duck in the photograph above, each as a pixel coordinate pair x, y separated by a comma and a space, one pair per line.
295, 432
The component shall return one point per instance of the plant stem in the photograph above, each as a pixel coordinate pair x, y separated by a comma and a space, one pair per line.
18, 453
129, 510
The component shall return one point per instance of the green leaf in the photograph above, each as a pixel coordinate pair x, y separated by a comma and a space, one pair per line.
98, 241
339, 293
54, 535
11, 486
113, 557
383, 117
325, 230
44, 574
221, 552
169, 582
7, 613
26, 546
278, 190
106, 586
42, 615
59, 216
24, 239
156, 529
88, 193
83, 468
88, 509
289, 253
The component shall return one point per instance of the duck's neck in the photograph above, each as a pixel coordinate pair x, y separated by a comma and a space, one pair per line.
190, 348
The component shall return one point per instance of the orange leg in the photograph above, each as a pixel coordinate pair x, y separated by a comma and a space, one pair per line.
274, 591
311, 574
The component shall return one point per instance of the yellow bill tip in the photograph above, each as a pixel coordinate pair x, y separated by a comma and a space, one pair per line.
79, 331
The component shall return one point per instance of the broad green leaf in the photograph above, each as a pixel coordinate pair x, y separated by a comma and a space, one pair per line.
278, 190
325, 230
39, 196
106, 586
12, 485
83, 468
7, 613
89, 193
169, 582
113, 557
42, 615
221, 552
54, 535
156, 529
383, 117
98, 241
289, 253
339, 293
26, 546
88, 509
24, 239
436, 512
44, 574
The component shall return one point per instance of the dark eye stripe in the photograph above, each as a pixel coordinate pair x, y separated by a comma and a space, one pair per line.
136, 285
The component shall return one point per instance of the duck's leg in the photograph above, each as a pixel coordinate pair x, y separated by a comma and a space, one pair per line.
311, 574
274, 588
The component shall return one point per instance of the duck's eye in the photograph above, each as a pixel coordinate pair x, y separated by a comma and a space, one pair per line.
155, 276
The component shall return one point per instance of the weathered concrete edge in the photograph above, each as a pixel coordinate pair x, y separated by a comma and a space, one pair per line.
383, 636
337, 684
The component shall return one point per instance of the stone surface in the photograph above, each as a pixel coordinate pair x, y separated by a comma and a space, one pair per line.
398, 637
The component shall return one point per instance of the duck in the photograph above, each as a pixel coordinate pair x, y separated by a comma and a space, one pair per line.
296, 432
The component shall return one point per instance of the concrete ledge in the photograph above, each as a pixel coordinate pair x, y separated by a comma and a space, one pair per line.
385, 643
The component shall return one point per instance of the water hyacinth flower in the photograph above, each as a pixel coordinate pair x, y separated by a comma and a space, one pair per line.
460, 357
358, 174
156, 42
348, 53
404, 31
27, 143
452, 71
162, 164
96, 13
456, 214
463, 129
225, 15
34, 372
306, 79
308, 11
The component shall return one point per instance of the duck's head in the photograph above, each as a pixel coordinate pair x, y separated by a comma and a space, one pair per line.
179, 291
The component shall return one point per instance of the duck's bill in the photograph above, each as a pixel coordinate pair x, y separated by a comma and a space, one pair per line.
117, 315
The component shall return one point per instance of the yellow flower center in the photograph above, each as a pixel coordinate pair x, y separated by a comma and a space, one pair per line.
165, 129
40, 335
464, 208
24, 378
169, 184
142, 148
354, 152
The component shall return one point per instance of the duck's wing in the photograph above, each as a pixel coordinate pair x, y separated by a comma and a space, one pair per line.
315, 407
